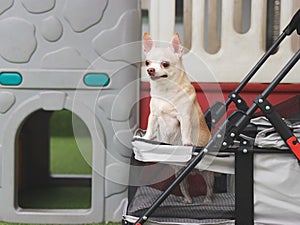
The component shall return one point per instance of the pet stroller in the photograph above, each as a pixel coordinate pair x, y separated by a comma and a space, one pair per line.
247, 148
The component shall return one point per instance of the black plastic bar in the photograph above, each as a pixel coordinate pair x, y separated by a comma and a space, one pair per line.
244, 208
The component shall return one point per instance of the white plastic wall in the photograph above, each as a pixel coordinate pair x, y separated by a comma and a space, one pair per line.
237, 52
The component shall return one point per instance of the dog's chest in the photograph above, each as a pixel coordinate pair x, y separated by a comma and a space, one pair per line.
164, 109
168, 123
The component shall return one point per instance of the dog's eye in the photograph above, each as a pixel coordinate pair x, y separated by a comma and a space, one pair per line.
147, 62
165, 64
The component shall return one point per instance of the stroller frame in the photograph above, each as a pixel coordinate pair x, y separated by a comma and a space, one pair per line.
231, 128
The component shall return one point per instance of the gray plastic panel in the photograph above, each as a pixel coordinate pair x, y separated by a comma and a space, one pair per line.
1, 166
64, 34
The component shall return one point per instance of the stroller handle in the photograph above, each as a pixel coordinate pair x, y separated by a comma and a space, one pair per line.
294, 24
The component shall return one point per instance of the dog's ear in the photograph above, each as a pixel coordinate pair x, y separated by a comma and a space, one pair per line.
176, 45
147, 42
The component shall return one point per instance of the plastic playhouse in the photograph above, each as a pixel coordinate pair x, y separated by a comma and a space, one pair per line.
55, 56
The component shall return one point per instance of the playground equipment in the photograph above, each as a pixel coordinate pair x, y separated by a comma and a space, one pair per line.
56, 55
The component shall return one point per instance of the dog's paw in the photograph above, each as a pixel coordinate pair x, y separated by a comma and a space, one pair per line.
187, 201
188, 144
207, 200
147, 137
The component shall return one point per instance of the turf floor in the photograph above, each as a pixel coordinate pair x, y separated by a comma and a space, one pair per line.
56, 198
65, 158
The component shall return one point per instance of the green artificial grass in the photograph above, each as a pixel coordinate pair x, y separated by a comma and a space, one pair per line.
69, 155
56, 198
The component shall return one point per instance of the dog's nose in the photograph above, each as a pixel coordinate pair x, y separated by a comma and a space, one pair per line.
151, 71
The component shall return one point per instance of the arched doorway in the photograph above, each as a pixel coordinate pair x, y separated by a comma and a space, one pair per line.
52, 173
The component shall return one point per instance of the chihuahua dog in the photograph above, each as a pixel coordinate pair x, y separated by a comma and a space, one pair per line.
175, 115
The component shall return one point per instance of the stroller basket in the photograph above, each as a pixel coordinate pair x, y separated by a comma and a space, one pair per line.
223, 208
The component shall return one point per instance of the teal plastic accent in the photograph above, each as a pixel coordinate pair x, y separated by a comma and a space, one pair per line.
10, 78
96, 79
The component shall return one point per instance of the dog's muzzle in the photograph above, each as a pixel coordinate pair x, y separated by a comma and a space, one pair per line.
151, 72
158, 77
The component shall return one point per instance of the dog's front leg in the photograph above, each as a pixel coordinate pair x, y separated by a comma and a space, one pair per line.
186, 129
209, 178
152, 126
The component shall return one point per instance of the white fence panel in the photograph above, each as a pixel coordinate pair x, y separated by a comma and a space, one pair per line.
236, 53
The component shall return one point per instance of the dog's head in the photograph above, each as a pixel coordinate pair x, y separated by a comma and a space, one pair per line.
163, 63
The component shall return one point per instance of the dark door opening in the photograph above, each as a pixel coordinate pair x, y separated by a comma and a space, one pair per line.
52, 172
